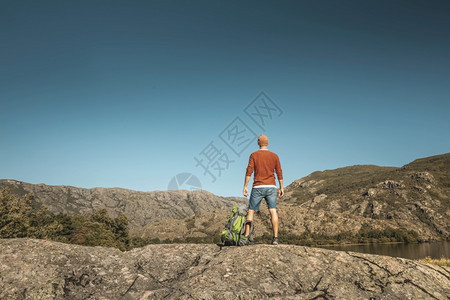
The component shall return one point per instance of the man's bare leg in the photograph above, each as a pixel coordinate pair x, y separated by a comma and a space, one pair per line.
250, 215
274, 218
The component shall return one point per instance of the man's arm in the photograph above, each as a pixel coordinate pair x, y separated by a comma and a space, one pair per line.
248, 174
279, 176
247, 179
281, 189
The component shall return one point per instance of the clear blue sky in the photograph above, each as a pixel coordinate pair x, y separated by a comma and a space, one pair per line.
127, 93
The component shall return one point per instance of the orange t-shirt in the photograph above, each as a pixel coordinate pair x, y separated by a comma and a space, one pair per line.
264, 163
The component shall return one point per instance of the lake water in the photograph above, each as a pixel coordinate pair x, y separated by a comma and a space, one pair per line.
412, 251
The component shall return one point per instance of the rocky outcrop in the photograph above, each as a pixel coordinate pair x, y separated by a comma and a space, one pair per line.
37, 269
413, 197
141, 208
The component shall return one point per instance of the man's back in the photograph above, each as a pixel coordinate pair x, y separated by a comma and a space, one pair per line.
264, 163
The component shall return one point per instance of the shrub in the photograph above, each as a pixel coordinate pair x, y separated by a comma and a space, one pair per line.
444, 262
19, 217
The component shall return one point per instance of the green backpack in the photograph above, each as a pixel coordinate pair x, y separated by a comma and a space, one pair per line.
233, 233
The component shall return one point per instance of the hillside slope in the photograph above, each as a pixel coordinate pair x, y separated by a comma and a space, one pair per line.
36, 269
345, 204
415, 196
141, 208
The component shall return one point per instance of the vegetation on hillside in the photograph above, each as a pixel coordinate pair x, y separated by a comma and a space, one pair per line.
415, 196
444, 262
20, 218
342, 180
354, 178
365, 235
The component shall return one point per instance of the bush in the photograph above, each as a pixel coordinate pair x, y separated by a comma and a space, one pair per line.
19, 217
444, 262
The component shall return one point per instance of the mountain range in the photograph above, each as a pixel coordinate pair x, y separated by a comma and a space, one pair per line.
141, 208
350, 200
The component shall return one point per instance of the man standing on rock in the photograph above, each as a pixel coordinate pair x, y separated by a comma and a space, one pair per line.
264, 162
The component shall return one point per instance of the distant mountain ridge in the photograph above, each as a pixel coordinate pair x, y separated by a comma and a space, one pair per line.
331, 202
141, 208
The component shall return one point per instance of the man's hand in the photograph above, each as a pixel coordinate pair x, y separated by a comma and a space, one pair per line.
245, 192
247, 179
280, 192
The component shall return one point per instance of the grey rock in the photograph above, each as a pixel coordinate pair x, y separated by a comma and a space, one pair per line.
390, 184
317, 200
423, 176
37, 269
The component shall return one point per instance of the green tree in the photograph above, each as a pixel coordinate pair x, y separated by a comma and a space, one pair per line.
19, 217
14, 214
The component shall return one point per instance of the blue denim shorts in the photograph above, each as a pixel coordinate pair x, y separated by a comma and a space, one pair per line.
257, 194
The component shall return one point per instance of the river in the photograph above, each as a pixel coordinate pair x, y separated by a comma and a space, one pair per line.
412, 251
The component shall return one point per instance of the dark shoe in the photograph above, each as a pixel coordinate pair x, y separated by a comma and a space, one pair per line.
275, 241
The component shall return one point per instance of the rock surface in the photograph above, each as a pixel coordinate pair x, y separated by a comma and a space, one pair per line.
37, 269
